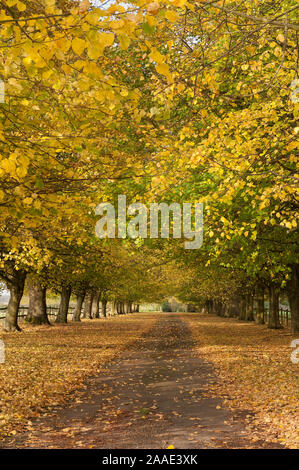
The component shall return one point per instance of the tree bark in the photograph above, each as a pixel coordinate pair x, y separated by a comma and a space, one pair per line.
16, 287
104, 308
64, 304
87, 305
273, 321
249, 308
233, 307
210, 306
78, 308
113, 308
37, 313
293, 296
242, 311
95, 308
260, 317
120, 308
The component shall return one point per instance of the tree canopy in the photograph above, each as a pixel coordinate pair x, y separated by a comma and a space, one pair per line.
175, 101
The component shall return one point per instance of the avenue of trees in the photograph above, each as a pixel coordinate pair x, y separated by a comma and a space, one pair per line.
173, 101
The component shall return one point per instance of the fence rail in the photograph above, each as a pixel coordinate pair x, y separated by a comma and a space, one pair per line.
23, 311
284, 316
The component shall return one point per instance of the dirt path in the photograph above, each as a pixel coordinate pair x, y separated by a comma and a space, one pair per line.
151, 397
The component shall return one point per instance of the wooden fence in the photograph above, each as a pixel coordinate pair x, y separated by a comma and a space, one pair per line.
284, 316
23, 311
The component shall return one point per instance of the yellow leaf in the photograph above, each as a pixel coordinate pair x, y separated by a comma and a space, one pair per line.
171, 16
117, 24
163, 69
106, 39
124, 42
21, 6
78, 45
84, 5
153, 8
157, 57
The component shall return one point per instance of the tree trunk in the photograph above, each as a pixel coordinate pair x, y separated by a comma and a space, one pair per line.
260, 317
108, 309
87, 305
95, 309
113, 308
64, 304
233, 307
37, 313
249, 308
104, 308
16, 288
137, 308
218, 307
78, 308
242, 311
273, 321
293, 296
120, 308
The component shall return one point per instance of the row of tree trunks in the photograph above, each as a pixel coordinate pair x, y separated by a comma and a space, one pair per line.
247, 311
37, 311
96, 308
245, 303
123, 308
293, 295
